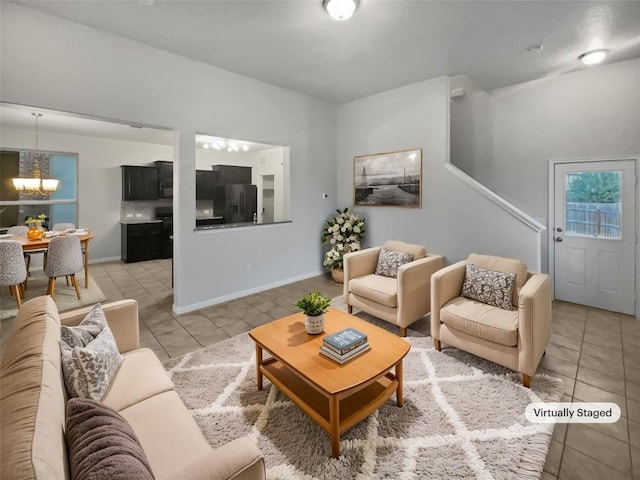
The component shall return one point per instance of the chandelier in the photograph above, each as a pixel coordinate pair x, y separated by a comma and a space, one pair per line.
35, 185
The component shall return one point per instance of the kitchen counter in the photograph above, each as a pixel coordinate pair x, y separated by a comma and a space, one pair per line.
132, 221
209, 221
235, 225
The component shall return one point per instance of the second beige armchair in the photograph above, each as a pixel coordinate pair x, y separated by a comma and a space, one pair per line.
515, 337
400, 300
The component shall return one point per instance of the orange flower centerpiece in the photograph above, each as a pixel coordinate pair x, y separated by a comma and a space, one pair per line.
35, 231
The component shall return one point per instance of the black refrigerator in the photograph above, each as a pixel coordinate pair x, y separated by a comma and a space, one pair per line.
236, 203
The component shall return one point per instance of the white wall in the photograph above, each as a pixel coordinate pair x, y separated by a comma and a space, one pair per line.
590, 113
471, 127
53, 63
455, 219
99, 178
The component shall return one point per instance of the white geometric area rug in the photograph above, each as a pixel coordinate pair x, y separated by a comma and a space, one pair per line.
462, 417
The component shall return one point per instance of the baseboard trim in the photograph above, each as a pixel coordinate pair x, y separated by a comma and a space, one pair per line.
179, 310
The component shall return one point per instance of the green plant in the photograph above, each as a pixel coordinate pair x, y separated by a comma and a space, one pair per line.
35, 222
313, 304
343, 232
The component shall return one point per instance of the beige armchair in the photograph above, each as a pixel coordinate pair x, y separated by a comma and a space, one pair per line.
515, 338
401, 300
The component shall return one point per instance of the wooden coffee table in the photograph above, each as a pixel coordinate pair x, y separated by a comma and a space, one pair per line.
340, 395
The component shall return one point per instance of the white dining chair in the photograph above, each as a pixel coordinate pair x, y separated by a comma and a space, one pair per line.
61, 227
21, 230
63, 258
13, 270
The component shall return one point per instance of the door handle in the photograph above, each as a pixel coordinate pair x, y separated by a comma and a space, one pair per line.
559, 230
557, 239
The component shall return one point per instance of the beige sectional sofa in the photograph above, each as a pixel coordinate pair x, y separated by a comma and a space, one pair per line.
33, 399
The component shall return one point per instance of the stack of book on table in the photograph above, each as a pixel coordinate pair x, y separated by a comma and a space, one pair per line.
344, 345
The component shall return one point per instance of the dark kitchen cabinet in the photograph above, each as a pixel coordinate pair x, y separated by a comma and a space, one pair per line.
232, 174
165, 182
139, 183
205, 184
141, 241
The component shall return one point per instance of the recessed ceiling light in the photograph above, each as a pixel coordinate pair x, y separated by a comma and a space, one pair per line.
340, 9
593, 57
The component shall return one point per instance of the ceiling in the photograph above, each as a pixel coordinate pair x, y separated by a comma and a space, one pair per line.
294, 44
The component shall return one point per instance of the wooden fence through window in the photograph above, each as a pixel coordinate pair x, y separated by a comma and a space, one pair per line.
593, 219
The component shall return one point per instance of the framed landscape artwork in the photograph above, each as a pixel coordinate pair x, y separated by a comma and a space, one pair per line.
392, 179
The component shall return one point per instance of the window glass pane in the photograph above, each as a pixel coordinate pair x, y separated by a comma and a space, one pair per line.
59, 206
63, 169
593, 206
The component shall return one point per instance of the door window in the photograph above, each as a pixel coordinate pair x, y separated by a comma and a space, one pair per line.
593, 205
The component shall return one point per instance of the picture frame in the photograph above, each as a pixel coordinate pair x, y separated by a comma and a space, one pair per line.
391, 179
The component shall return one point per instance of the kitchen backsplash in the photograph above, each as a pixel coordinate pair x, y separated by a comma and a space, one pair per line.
141, 210
204, 208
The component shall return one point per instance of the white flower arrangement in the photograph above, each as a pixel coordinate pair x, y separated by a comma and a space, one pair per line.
343, 232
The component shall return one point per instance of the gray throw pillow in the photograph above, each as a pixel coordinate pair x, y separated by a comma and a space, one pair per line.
488, 286
90, 356
389, 262
102, 444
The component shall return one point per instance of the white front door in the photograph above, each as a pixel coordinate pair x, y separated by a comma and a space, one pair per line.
594, 234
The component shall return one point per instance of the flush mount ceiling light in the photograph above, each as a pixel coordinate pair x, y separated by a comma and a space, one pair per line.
340, 9
595, 54
593, 57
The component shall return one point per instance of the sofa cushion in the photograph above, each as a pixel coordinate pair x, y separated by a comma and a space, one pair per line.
102, 444
389, 262
380, 289
481, 320
418, 251
487, 286
167, 432
505, 265
139, 377
32, 396
92, 359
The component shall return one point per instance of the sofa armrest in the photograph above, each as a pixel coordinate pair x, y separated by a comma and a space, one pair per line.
122, 317
446, 284
534, 317
414, 295
357, 264
238, 460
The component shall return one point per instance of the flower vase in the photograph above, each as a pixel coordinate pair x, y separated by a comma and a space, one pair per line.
314, 325
35, 232
337, 275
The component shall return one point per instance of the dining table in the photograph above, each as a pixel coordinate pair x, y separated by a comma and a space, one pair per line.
42, 244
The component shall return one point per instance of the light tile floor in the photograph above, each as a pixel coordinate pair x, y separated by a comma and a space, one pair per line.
596, 353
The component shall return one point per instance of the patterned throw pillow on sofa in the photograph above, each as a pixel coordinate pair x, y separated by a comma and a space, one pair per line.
487, 286
90, 356
389, 262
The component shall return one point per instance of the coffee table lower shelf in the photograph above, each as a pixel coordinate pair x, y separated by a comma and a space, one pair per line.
335, 413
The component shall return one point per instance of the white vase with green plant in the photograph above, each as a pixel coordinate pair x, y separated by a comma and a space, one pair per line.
313, 305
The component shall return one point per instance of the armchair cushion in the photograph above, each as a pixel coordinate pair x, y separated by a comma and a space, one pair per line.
488, 286
389, 261
380, 289
481, 320
505, 265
